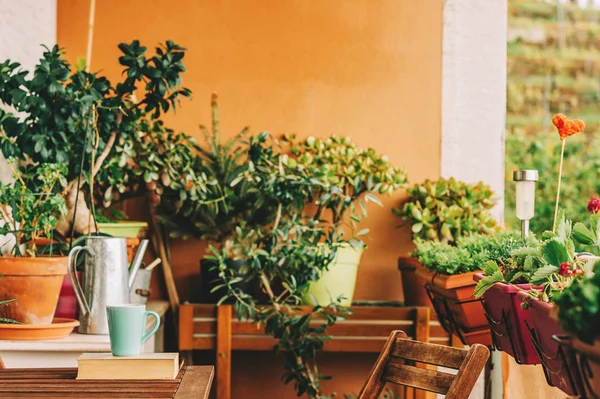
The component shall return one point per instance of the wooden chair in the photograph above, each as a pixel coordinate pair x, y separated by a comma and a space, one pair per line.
396, 364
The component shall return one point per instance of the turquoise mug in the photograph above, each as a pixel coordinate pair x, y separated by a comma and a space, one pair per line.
127, 328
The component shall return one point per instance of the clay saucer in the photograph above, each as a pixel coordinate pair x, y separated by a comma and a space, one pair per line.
60, 328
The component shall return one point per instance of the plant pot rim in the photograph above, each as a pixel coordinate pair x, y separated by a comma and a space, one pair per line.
125, 223
33, 266
447, 281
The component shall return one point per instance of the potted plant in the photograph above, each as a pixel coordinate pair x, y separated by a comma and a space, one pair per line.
350, 178
288, 255
579, 315
443, 211
76, 117
215, 199
448, 271
30, 208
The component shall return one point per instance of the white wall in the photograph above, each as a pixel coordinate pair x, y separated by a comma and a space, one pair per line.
474, 93
24, 26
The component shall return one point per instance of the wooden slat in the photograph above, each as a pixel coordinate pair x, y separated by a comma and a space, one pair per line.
429, 353
30, 374
419, 378
196, 383
224, 314
342, 330
204, 343
204, 311
360, 312
186, 326
467, 376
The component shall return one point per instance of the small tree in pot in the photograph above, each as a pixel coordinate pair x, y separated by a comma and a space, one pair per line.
76, 116
297, 248
30, 209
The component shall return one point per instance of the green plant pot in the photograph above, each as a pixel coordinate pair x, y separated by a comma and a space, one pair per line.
339, 279
122, 229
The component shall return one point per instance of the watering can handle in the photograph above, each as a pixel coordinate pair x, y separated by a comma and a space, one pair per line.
85, 309
137, 262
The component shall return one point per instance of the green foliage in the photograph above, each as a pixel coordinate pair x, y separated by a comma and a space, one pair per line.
69, 115
580, 182
447, 209
293, 249
348, 176
579, 307
550, 262
469, 254
288, 253
225, 197
31, 206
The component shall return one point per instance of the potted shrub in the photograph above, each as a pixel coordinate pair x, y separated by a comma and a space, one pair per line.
77, 118
443, 211
579, 315
350, 178
287, 255
30, 208
449, 270
215, 199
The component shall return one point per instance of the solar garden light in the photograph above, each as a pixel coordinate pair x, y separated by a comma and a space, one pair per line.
525, 182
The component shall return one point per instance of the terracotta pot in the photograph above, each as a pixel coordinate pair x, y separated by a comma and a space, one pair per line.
415, 293
559, 365
508, 321
35, 283
459, 312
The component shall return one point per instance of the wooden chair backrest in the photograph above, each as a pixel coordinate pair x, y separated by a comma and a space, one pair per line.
397, 364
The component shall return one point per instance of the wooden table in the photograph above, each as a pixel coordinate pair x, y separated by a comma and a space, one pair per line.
192, 382
210, 327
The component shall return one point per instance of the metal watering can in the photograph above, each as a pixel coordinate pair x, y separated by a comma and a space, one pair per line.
107, 279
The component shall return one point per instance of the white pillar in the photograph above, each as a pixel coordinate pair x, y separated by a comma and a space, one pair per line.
474, 105
474, 93
25, 25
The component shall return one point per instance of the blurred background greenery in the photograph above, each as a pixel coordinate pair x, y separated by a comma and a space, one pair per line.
553, 66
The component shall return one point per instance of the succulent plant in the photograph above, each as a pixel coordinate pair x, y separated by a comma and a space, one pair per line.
447, 209
348, 176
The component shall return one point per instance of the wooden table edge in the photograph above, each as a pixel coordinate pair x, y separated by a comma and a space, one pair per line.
187, 390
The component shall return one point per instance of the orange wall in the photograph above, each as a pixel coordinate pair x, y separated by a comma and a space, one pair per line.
368, 69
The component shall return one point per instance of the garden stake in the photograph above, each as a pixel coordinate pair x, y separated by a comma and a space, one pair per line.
560, 168
566, 127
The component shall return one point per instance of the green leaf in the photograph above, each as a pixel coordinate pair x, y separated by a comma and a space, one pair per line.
555, 252
583, 235
490, 267
541, 275
487, 282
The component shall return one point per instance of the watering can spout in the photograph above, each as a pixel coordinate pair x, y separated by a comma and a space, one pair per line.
136, 262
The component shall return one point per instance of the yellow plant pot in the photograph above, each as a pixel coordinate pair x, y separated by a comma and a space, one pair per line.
339, 279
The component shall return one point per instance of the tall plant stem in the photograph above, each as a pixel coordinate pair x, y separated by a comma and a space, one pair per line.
88, 55
560, 168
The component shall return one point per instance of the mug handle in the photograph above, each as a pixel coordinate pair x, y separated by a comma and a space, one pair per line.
154, 327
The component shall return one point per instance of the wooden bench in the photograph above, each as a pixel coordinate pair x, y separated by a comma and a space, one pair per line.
208, 327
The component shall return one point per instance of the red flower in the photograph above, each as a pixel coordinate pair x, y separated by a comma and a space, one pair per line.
578, 272
594, 205
565, 269
567, 127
